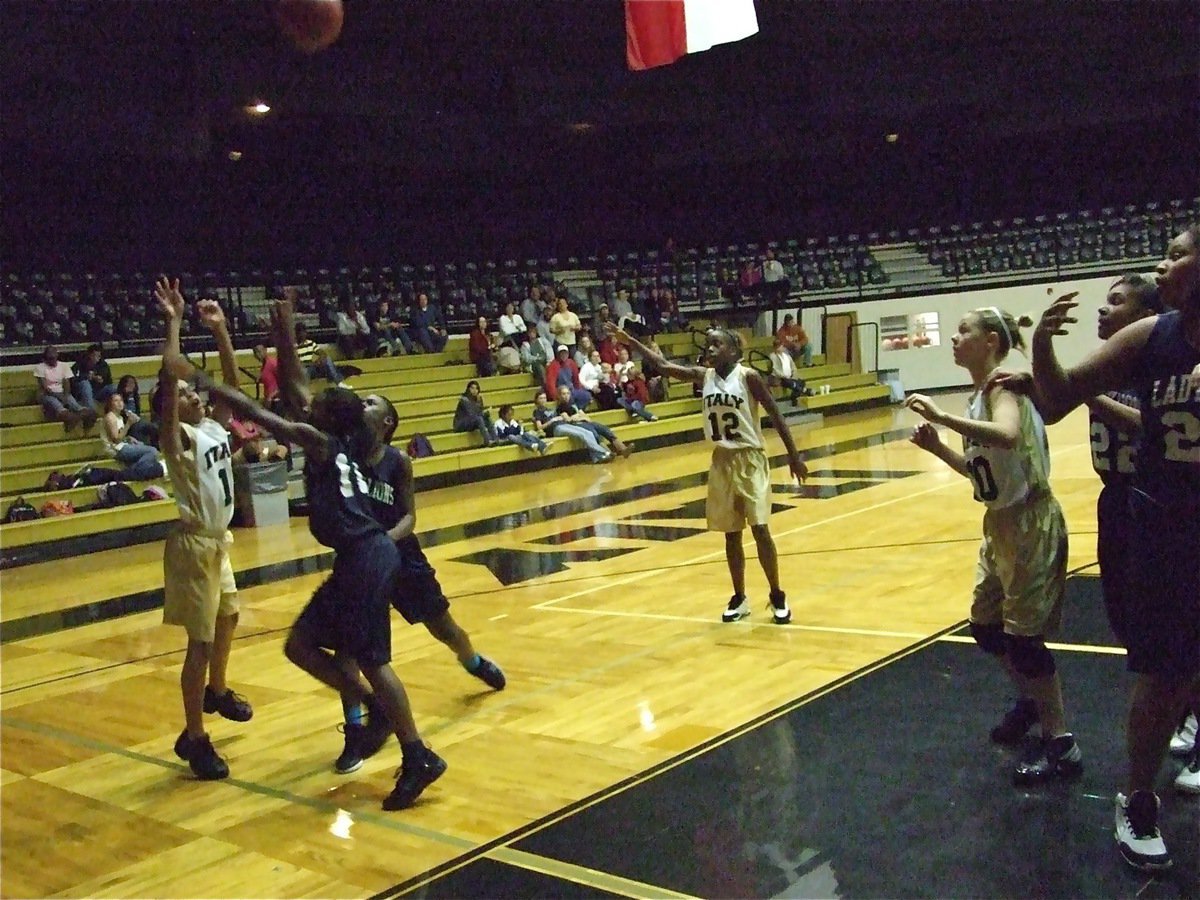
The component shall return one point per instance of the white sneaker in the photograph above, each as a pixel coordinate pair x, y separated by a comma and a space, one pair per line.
1183, 741
1188, 780
738, 608
1137, 834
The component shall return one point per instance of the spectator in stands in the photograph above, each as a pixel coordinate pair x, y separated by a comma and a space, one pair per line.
562, 371
427, 326
536, 354
550, 423
508, 359
795, 340
583, 350
591, 375
54, 392
353, 332
749, 281
775, 286
624, 366
91, 380
472, 415
509, 430
144, 430
783, 372
564, 324
600, 324
669, 317
635, 397
314, 358
573, 415
512, 326
531, 306
479, 348
543, 325
630, 319
140, 460
268, 376
390, 334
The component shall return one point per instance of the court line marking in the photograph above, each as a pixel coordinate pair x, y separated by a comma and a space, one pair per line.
654, 771
588, 877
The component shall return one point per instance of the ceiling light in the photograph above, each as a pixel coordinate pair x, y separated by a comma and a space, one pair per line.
258, 109
235, 155
891, 138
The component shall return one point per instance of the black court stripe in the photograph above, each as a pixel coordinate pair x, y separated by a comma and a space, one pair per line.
655, 770
116, 607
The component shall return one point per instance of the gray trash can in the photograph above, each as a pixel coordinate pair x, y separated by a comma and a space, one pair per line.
260, 493
891, 377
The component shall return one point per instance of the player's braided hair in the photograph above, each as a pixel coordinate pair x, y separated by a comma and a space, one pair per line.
731, 337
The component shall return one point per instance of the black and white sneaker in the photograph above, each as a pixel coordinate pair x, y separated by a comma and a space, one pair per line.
780, 614
1183, 741
738, 608
1188, 780
1137, 834
1060, 760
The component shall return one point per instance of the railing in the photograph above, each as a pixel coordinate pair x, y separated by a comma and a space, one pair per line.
754, 355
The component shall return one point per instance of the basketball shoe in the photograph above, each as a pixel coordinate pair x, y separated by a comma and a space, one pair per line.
737, 609
413, 777
1188, 780
1137, 834
780, 614
1183, 741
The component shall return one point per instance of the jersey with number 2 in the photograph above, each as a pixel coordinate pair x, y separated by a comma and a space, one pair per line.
1002, 477
731, 416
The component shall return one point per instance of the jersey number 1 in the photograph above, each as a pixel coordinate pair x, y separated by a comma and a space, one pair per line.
224, 476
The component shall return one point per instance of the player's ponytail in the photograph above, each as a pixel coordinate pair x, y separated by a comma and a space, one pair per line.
1004, 325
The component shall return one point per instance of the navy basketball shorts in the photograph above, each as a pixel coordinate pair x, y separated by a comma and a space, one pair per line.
1163, 566
350, 612
418, 596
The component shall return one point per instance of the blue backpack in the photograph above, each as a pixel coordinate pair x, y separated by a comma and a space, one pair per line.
419, 446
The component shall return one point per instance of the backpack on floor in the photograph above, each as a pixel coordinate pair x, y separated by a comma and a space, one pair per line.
419, 446
57, 481
20, 511
115, 493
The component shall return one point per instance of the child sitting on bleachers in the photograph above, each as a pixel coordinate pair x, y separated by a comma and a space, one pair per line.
508, 429
140, 460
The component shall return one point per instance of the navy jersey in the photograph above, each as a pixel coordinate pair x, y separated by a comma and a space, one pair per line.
1168, 469
1114, 453
386, 500
340, 514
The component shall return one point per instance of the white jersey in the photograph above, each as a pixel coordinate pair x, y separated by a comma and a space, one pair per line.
1003, 477
203, 478
731, 416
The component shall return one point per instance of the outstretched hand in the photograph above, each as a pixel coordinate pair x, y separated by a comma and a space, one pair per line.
924, 407
1057, 316
170, 300
620, 334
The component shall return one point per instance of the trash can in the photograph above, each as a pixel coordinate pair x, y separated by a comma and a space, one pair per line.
260, 493
891, 377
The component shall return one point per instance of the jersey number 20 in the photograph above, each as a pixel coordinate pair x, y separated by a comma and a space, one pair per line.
731, 423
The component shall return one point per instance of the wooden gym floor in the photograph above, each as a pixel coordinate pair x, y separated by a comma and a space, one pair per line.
641, 748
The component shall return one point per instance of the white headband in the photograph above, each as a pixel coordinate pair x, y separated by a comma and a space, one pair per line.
999, 315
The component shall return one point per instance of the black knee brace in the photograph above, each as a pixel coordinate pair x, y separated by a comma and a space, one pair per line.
990, 638
1030, 657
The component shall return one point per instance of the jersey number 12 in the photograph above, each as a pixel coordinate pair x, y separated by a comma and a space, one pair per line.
731, 423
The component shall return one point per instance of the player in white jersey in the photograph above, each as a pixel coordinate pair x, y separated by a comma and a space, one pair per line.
739, 482
199, 592
1022, 564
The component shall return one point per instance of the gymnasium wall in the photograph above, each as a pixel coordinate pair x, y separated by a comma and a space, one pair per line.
926, 368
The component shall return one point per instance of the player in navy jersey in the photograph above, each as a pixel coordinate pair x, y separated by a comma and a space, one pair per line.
1160, 356
349, 613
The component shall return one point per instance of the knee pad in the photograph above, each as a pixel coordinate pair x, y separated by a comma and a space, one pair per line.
1030, 657
990, 638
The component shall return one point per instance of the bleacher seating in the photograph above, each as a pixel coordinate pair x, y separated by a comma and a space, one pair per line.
425, 389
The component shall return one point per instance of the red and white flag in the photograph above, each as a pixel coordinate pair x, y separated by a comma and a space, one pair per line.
658, 32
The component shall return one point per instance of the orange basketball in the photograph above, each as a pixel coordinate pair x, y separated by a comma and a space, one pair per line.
311, 25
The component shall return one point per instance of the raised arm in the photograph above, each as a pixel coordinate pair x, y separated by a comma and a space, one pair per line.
694, 374
170, 301
293, 379
1107, 368
213, 318
314, 442
758, 387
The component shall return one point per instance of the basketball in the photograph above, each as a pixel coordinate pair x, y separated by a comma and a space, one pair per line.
311, 25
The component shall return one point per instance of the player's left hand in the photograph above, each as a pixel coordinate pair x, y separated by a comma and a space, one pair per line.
170, 300
924, 407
